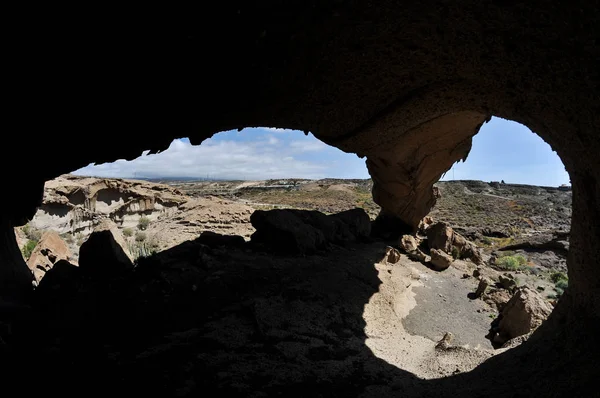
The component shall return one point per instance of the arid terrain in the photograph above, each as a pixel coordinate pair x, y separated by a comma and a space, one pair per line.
258, 288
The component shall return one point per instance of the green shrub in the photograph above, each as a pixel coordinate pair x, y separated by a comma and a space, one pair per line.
140, 250
127, 232
28, 248
80, 238
140, 236
143, 223
67, 237
511, 263
455, 253
32, 233
559, 276
561, 286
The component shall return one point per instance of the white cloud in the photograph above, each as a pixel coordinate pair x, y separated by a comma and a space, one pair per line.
266, 158
277, 130
308, 146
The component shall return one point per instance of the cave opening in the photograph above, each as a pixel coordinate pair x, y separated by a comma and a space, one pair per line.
400, 325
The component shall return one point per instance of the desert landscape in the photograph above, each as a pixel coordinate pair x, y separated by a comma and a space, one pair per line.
282, 287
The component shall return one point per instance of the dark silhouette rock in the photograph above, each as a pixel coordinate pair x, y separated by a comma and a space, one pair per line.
59, 284
357, 220
305, 231
283, 231
212, 239
104, 253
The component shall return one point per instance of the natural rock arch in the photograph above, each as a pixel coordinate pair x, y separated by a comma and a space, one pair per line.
364, 78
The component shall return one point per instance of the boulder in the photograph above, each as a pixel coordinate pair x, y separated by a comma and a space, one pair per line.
357, 220
497, 298
440, 260
283, 231
425, 223
50, 249
466, 249
408, 243
507, 282
304, 231
482, 287
104, 254
392, 256
523, 313
59, 285
439, 236
212, 239
418, 255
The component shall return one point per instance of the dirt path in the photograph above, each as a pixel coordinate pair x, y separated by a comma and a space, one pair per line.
413, 309
442, 306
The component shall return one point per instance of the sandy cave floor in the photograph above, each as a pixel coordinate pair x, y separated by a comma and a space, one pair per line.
233, 320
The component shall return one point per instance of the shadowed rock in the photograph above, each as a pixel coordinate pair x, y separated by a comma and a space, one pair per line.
210, 238
104, 254
523, 313
58, 285
305, 231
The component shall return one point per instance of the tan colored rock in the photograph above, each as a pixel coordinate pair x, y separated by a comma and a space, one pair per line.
525, 311
105, 252
482, 287
392, 256
408, 243
440, 259
444, 342
497, 298
418, 255
425, 223
50, 249
78, 203
440, 237
404, 174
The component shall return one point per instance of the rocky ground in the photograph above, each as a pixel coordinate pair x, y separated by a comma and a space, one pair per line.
282, 302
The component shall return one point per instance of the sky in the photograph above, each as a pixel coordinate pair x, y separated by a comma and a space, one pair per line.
502, 150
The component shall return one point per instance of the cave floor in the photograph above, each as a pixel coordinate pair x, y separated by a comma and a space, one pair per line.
231, 320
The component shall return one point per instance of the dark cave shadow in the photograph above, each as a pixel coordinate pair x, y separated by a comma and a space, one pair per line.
196, 320
56, 209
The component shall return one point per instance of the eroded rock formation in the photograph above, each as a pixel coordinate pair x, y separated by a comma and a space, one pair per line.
76, 204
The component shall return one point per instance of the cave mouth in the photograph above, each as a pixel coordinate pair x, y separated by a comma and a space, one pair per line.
369, 316
389, 311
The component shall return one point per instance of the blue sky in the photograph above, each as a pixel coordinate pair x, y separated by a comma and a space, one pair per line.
502, 150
